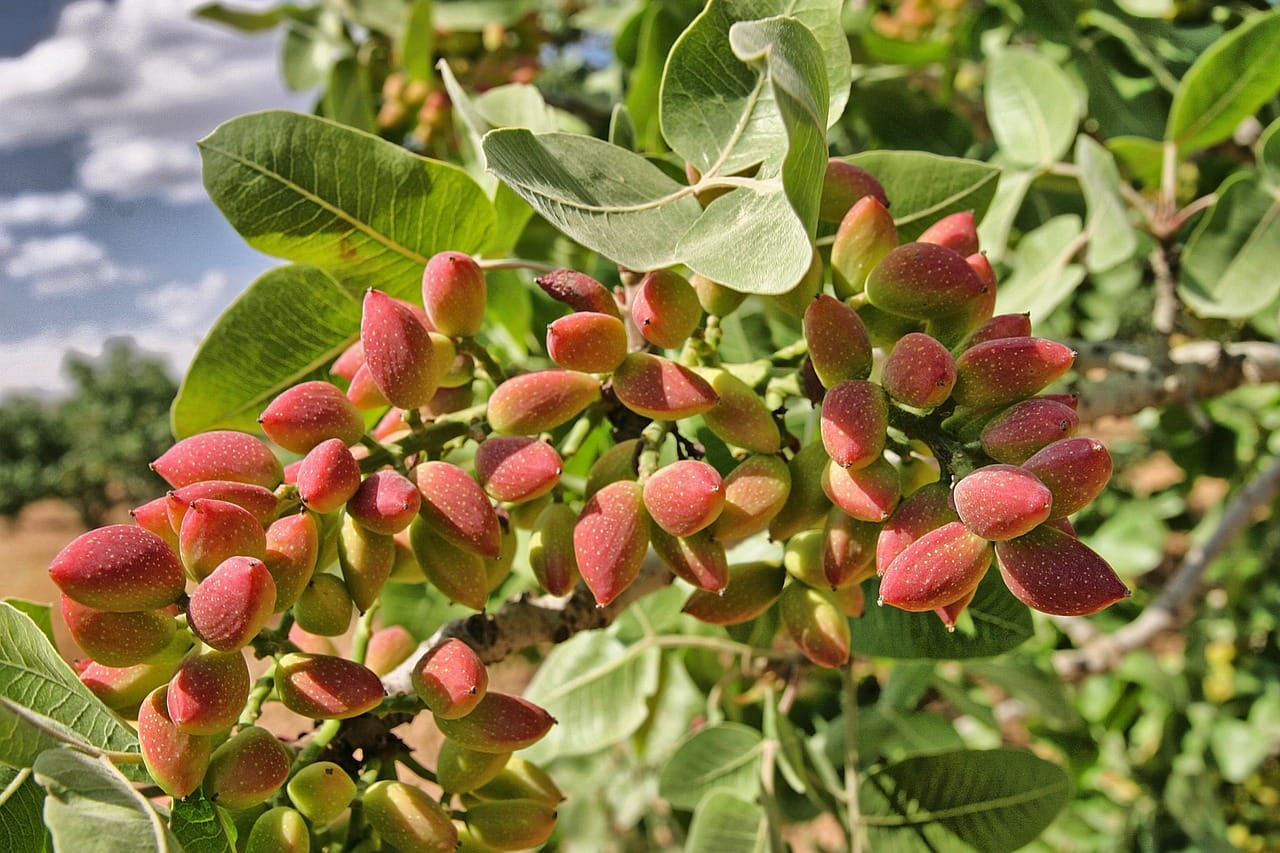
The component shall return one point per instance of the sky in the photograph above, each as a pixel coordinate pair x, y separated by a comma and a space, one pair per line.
105, 229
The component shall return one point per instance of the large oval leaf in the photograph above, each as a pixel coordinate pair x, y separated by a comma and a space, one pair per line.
922, 188
718, 113
597, 689
1112, 239
1228, 266
1032, 107
1000, 622
291, 321
723, 823
363, 209
33, 675
1043, 276
990, 800
726, 758
92, 807
1227, 84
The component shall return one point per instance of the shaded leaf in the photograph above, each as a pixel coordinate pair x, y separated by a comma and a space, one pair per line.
200, 827
347, 98
91, 807
1000, 622
923, 188
994, 228
289, 323
418, 41
597, 689
21, 810
1227, 84
41, 614
991, 800
313, 41
723, 823
1228, 265
724, 757
363, 209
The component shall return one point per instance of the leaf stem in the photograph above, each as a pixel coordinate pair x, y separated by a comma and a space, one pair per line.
482, 355
364, 630
258, 695
514, 264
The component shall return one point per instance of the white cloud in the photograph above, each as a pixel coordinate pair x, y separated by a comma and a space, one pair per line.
28, 209
139, 81
132, 168
170, 323
66, 264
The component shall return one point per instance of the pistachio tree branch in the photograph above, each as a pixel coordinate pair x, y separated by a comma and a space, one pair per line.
1098, 652
1135, 379
531, 621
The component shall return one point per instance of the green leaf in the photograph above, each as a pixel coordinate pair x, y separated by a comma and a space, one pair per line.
793, 60
723, 823
926, 187
384, 16
1032, 107
1268, 153
313, 40
749, 240
34, 676
40, 613
1043, 276
597, 689
657, 29
418, 41
607, 198
1112, 239
725, 757
622, 131
994, 228
21, 811
720, 115
1000, 622
893, 51
363, 209
473, 15
991, 800
1227, 84
200, 827
289, 323
1140, 157
1228, 266
245, 20
348, 99
92, 807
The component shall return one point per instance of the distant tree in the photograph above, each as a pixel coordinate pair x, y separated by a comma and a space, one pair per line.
92, 448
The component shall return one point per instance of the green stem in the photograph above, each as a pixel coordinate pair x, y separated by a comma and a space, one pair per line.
324, 735
416, 768
651, 440
430, 437
258, 695
578, 433
364, 630
854, 813
482, 355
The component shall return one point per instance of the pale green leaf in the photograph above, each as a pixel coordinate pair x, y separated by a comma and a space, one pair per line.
1228, 83
1043, 275
723, 823
1032, 107
92, 808
749, 240
994, 228
384, 16
418, 41
597, 689
1229, 264
605, 197
991, 800
720, 115
34, 676
923, 187
313, 41
21, 811
724, 757
793, 61
25, 733
1141, 157
289, 323
200, 826
1112, 239
657, 29
999, 622
622, 131
245, 20
363, 209
473, 15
